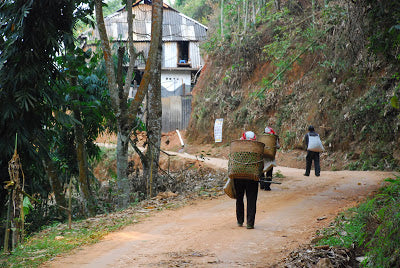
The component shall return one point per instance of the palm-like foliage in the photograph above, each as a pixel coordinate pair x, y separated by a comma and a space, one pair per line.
31, 35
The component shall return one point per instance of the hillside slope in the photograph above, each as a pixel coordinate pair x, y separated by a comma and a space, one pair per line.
302, 66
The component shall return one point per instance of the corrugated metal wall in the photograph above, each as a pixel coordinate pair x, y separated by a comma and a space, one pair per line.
169, 55
176, 26
194, 55
176, 112
186, 110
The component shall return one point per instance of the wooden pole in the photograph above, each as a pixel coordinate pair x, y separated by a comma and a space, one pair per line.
69, 204
7, 234
151, 174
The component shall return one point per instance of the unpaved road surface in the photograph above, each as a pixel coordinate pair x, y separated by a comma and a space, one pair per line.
204, 233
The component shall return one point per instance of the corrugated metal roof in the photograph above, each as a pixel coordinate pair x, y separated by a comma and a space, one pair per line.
176, 26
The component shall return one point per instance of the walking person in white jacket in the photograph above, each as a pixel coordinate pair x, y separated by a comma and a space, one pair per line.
311, 155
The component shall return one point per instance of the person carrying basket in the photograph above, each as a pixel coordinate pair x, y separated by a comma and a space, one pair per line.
269, 157
248, 187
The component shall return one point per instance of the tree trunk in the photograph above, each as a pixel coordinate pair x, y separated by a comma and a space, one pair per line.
156, 41
155, 106
222, 19
245, 11
119, 96
277, 5
122, 168
122, 137
107, 54
84, 182
154, 135
8, 223
56, 185
253, 13
126, 118
313, 12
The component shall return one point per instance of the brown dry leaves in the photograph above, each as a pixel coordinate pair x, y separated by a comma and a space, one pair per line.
328, 257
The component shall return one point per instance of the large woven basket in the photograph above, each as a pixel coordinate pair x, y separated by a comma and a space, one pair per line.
269, 141
245, 159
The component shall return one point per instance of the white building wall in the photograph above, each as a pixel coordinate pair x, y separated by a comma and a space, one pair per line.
171, 80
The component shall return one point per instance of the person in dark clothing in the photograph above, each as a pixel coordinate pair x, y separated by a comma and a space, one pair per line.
269, 164
264, 180
250, 188
311, 156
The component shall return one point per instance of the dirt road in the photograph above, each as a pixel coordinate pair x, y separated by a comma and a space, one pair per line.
204, 234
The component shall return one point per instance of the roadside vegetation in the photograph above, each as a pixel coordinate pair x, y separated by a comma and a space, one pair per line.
54, 238
55, 100
371, 230
58, 238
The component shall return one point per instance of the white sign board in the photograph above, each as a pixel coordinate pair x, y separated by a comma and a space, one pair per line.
218, 129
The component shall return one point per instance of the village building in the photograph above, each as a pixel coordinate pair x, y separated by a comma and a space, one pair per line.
181, 58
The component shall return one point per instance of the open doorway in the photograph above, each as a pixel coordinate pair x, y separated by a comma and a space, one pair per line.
183, 54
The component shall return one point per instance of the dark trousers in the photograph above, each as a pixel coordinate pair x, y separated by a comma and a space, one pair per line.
267, 177
309, 158
250, 188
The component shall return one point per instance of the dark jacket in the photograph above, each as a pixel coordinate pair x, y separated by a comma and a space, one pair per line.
310, 133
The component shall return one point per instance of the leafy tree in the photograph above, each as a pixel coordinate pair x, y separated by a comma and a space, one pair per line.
85, 93
32, 33
199, 10
126, 113
384, 27
179, 3
112, 6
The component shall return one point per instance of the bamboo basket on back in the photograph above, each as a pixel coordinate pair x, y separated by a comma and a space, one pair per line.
269, 141
245, 159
